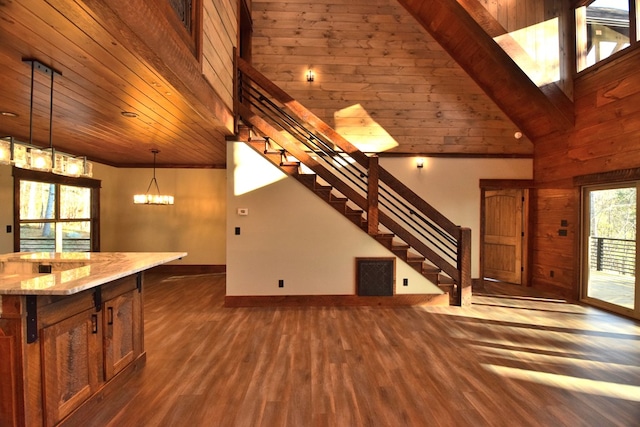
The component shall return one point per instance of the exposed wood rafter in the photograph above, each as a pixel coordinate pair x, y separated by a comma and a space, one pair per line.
453, 24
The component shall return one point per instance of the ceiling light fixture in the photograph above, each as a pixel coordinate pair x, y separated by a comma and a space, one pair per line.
27, 155
153, 199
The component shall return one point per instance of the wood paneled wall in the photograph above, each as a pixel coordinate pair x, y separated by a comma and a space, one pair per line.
220, 37
516, 15
374, 64
606, 138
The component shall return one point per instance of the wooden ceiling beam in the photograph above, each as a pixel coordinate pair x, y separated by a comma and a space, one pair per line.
529, 107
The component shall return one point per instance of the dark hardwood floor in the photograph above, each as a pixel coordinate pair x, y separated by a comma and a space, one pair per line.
505, 361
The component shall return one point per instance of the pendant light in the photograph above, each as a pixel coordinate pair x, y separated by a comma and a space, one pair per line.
29, 156
149, 198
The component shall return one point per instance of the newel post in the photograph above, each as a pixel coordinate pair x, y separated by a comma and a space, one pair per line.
464, 268
372, 196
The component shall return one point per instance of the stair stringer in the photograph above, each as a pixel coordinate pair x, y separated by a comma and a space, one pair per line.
312, 247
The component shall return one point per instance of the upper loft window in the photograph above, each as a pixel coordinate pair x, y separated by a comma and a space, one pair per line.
188, 15
183, 9
603, 28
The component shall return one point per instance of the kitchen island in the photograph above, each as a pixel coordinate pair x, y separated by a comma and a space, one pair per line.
71, 327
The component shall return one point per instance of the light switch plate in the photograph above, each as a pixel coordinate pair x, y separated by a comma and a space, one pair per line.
243, 211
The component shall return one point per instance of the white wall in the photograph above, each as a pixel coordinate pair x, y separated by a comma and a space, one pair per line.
196, 223
291, 234
451, 185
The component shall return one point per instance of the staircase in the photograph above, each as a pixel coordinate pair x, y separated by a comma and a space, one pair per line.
306, 148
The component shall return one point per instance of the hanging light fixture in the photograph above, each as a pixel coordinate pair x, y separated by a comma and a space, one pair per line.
25, 156
153, 199
29, 156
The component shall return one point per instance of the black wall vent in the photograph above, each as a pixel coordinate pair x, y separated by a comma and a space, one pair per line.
375, 276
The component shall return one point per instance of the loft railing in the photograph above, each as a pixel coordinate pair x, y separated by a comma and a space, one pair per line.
384, 198
616, 255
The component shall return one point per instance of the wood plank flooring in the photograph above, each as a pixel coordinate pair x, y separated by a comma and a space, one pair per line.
504, 361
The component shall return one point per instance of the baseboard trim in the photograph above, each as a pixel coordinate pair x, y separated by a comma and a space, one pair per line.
190, 269
336, 301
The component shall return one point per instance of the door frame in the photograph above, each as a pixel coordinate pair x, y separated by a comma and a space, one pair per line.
585, 216
509, 184
594, 180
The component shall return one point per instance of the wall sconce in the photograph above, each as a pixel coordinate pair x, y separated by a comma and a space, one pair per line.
310, 76
420, 162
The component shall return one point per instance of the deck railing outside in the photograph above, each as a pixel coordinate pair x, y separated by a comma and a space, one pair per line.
616, 255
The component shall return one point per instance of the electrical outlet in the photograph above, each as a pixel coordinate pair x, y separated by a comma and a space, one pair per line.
237, 231
281, 283
8, 229
552, 273
405, 282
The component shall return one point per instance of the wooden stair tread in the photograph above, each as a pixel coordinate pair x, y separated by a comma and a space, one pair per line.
355, 215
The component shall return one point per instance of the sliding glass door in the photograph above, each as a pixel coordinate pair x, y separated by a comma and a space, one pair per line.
609, 247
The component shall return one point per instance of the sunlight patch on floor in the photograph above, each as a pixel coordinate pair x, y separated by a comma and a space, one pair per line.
581, 385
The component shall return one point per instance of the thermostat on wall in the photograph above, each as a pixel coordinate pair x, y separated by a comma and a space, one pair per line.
243, 211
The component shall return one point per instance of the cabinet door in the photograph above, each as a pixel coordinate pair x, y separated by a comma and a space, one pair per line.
121, 320
71, 360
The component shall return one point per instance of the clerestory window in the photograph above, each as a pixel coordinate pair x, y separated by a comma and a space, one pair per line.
604, 28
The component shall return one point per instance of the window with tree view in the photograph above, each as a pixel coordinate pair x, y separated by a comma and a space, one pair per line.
54, 217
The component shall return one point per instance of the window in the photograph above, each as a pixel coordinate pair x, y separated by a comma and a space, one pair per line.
55, 213
183, 10
186, 19
604, 28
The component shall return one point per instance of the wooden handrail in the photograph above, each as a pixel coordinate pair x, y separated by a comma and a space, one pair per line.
460, 237
288, 143
408, 194
301, 112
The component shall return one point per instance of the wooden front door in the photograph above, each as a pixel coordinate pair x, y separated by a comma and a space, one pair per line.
503, 235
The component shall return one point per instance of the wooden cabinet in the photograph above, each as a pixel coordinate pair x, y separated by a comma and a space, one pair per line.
71, 360
121, 333
83, 342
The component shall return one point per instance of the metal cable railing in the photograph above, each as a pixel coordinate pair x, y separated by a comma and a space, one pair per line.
336, 160
395, 202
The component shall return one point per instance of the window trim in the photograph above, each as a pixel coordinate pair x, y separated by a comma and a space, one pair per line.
51, 178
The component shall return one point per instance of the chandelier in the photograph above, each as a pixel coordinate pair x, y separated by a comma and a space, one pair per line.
150, 198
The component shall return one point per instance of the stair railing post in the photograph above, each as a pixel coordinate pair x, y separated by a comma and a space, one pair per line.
463, 296
372, 196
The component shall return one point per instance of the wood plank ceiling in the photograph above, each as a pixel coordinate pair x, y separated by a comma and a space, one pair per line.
118, 56
107, 68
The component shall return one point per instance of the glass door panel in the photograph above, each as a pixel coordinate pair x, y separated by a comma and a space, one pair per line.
609, 246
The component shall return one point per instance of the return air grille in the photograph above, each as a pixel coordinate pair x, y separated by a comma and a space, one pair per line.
375, 276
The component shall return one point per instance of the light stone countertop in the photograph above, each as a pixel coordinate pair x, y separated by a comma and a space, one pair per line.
72, 272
